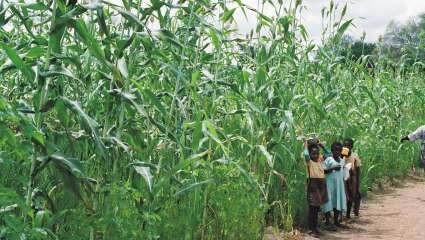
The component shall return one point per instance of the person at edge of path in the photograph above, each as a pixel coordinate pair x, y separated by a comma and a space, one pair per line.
337, 203
352, 184
317, 194
419, 134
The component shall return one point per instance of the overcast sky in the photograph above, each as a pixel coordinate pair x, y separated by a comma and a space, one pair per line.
371, 16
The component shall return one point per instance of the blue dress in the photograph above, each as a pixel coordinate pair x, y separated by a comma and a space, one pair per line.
335, 185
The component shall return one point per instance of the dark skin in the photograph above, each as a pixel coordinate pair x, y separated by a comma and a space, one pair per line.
336, 153
350, 146
314, 154
321, 145
406, 138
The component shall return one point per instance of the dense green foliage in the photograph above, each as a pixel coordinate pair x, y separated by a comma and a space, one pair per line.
110, 129
358, 50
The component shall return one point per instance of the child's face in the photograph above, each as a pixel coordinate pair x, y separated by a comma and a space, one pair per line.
336, 152
314, 154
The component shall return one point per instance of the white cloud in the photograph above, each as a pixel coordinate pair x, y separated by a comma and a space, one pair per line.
370, 16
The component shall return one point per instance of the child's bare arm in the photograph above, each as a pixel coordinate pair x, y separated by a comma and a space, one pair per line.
326, 151
406, 138
416, 135
306, 153
330, 170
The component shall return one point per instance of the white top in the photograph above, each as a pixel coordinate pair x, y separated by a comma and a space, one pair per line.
347, 171
419, 134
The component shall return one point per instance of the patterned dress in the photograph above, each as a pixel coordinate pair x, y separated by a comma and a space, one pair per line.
336, 186
419, 134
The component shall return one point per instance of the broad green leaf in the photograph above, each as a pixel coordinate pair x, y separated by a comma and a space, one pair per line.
62, 113
266, 154
131, 18
209, 129
93, 45
19, 63
35, 52
102, 22
39, 6
88, 123
38, 138
147, 43
214, 38
247, 176
72, 165
157, 4
116, 141
317, 106
197, 133
122, 66
344, 27
167, 36
59, 71
146, 174
195, 78
151, 98
261, 75
122, 44
142, 111
192, 186
228, 14
126, 4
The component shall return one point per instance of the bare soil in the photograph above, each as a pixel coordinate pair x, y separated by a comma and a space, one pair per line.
398, 213
394, 213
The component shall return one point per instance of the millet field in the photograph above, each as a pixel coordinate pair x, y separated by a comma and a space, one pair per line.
158, 120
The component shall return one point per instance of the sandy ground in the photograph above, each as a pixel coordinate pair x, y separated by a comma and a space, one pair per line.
398, 213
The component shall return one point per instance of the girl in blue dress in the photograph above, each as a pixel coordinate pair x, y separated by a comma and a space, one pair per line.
333, 167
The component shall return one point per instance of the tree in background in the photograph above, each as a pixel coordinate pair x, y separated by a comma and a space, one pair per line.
404, 41
356, 49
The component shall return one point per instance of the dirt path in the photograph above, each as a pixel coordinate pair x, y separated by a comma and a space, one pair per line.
395, 214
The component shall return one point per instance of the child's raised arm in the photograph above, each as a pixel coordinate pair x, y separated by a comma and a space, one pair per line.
326, 151
406, 138
306, 154
416, 135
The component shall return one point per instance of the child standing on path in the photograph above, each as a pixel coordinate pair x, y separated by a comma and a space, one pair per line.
316, 184
333, 167
353, 182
